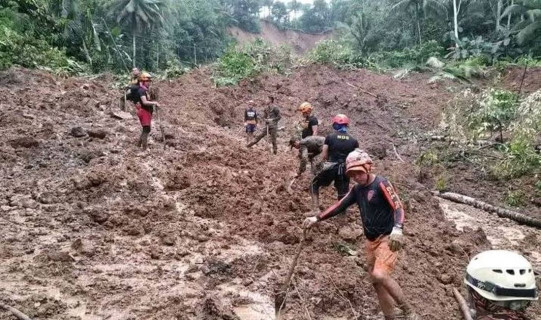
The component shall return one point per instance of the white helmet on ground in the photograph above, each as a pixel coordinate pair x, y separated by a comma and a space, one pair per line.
501, 275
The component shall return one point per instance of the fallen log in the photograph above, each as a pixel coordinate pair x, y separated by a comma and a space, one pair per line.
501, 212
462, 304
362, 90
15, 312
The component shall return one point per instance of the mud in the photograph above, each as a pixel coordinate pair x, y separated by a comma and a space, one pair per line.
205, 229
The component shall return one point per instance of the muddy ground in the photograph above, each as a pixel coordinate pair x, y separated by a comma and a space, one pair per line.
204, 228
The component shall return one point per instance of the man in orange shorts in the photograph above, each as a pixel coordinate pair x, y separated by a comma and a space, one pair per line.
382, 215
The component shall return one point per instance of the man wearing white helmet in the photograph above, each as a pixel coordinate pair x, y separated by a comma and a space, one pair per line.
501, 285
382, 215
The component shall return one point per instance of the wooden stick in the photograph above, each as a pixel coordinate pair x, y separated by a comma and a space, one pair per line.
282, 295
362, 90
303, 302
462, 304
344, 297
397, 155
15, 312
501, 212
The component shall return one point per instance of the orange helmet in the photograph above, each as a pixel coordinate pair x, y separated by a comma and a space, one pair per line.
340, 119
145, 76
358, 160
305, 107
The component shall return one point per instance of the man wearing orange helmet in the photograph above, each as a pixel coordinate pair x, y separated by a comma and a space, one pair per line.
382, 216
144, 107
335, 150
309, 123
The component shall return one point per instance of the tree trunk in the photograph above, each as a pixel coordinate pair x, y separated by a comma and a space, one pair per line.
498, 14
455, 21
501, 212
133, 56
509, 17
418, 16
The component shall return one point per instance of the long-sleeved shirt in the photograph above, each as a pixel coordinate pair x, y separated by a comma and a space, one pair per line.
309, 147
272, 112
380, 206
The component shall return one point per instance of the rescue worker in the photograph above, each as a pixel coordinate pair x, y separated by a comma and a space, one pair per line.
309, 149
335, 150
309, 124
382, 216
250, 121
130, 91
145, 108
501, 285
271, 115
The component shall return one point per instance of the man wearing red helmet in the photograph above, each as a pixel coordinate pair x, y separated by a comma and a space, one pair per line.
382, 216
335, 150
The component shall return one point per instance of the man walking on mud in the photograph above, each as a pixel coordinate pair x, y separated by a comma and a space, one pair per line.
382, 215
271, 115
335, 150
309, 150
145, 108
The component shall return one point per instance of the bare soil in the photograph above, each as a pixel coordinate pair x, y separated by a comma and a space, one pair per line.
205, 229
299, 41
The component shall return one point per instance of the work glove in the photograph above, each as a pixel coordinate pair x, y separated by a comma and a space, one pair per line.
396, 240
309, 222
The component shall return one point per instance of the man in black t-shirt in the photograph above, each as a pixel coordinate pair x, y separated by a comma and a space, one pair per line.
382, 216
309, 124
336, 148
271, 115
250, 121
144, 107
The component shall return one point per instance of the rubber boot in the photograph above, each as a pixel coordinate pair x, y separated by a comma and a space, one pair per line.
144, 141
315, 204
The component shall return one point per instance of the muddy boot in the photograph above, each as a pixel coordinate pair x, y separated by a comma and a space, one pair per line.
407, 313
144, 141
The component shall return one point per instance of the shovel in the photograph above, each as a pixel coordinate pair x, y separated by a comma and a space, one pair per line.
280, 298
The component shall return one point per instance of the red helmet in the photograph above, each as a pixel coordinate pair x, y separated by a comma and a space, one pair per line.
340, 119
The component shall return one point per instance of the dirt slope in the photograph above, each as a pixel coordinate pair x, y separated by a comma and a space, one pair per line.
205, 229
300, 42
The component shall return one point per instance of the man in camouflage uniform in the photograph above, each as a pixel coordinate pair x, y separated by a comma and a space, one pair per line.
309, 150
501, 285
271, 115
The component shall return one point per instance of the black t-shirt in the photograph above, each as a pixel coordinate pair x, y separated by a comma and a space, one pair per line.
307, 125
340, 145
141, 91
250, 115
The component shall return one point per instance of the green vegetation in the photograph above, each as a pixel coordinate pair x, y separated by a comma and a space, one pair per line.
73, 36
515, 198
250, 60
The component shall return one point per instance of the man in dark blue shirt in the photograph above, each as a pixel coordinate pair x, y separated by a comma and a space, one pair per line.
382, 216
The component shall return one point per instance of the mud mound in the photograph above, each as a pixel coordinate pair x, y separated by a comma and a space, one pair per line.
205, 229
300, 42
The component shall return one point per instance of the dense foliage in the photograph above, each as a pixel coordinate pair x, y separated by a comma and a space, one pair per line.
98, 35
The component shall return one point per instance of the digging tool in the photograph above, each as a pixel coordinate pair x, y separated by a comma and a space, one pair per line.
160, 126
280, 298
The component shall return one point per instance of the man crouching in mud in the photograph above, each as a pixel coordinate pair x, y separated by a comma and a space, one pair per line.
382, 215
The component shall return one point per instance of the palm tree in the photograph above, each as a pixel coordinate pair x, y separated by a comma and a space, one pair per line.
530, 28
421, 8
138, 15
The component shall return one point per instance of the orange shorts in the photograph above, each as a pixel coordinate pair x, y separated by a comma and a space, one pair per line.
379, 256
